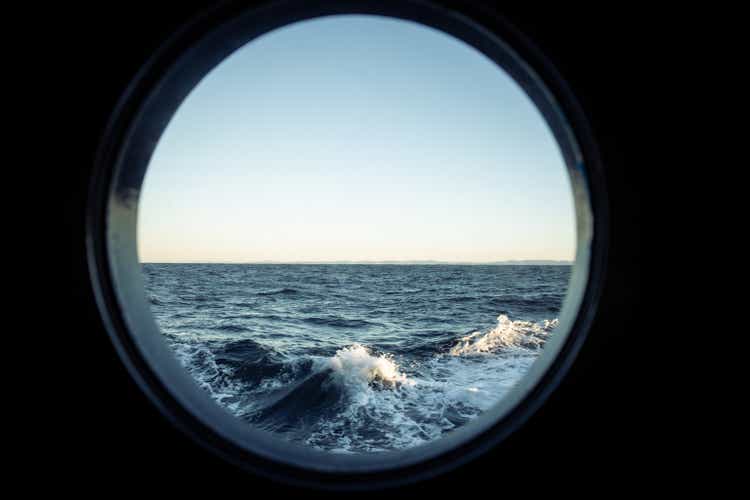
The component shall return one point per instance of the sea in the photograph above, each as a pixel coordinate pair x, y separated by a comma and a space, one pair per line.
356, 358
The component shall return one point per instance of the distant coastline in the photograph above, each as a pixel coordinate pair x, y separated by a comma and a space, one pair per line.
390, 263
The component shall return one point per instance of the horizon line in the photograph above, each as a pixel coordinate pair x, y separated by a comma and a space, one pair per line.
380, 262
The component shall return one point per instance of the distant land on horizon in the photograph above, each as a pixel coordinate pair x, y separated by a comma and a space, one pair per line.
392, 262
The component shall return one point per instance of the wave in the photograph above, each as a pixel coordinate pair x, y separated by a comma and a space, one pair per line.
552, 300
402, 291
294, 409
465, 298
283, 291
209, 305
199, 360
507, 334
231, 327
356, 366
360, 399
339, 322
339, 385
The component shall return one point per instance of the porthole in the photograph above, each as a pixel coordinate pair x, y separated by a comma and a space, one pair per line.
319, 314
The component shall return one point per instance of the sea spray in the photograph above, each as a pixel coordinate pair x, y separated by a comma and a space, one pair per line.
355, 365
508, 334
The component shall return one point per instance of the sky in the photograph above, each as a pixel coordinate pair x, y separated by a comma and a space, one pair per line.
356, 138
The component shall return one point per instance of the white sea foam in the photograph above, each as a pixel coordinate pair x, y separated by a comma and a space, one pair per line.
217, 380
355, 364
507, 334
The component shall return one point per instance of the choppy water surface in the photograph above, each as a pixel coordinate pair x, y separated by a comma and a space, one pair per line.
356, 358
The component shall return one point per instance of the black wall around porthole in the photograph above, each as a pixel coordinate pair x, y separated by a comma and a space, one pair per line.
591, 425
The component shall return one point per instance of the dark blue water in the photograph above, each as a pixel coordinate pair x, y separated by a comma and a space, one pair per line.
356, 358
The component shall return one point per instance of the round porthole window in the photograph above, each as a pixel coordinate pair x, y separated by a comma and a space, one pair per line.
347, 244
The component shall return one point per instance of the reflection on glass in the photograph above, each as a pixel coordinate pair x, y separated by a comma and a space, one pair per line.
357, 233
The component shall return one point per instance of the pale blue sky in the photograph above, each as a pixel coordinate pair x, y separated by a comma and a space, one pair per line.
356, 138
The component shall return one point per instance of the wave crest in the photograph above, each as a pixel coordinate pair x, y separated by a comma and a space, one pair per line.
507, 334
356, 365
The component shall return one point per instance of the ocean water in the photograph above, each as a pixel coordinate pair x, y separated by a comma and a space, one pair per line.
356, 358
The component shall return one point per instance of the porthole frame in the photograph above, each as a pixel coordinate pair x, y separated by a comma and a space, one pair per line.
121, 162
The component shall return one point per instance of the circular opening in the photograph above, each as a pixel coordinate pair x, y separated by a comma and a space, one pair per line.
330, 206
357, 233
